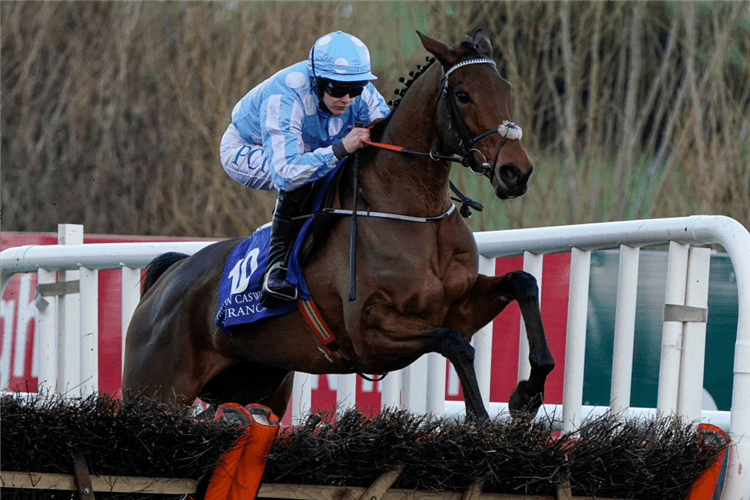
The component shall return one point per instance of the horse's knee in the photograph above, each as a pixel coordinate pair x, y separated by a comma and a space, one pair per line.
454, 344
525, 286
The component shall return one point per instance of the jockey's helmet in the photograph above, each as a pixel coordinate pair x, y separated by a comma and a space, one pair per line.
340, 57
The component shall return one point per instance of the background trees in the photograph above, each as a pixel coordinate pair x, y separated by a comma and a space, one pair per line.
112, 113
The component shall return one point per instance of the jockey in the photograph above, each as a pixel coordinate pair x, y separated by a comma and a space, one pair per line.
292, 129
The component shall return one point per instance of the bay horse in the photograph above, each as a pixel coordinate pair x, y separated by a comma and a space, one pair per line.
418, 287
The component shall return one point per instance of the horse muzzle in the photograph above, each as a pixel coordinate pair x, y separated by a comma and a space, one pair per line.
510, 181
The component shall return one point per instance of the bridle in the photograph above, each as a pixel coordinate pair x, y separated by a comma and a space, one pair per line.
464, 140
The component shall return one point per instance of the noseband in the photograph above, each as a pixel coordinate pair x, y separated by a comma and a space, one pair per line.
506, 130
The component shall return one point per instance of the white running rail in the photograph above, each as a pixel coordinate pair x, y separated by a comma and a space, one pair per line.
683, 337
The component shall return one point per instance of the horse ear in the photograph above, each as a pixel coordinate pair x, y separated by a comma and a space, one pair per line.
481, 40
441, 51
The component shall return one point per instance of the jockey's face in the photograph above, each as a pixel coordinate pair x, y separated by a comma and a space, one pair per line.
337, 105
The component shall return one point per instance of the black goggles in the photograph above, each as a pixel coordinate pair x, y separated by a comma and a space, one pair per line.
339, 89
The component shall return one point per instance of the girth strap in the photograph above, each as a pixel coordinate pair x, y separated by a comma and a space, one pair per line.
324, 335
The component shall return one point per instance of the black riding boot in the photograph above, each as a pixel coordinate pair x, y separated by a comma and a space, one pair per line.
276, 289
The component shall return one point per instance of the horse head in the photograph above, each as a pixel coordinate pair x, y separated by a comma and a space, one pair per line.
474, 114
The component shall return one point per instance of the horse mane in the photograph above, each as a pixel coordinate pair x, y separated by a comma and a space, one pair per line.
413, 75
470, 49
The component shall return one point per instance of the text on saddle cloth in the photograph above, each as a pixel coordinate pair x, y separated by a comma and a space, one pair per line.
239, 291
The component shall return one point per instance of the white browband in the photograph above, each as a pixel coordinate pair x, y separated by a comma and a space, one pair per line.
478, 60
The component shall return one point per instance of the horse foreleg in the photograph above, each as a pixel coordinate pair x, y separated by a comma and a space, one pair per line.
456, 347
279, 400
488, 297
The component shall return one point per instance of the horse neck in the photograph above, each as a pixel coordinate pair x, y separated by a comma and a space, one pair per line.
419, 183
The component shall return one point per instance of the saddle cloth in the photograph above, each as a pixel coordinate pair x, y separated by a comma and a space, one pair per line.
239, 290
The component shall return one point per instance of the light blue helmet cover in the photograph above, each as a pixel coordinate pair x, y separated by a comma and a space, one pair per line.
340, 57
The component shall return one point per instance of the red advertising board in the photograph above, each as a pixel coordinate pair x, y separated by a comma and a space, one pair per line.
18, 365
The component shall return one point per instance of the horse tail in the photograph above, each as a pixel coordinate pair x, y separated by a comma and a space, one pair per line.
157, 267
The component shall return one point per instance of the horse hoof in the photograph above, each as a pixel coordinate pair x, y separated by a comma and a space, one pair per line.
525, 402
480, 415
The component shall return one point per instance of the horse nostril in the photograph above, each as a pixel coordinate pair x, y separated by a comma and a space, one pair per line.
510, 174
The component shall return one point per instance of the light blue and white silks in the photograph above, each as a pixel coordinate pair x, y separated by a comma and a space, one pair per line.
281, 139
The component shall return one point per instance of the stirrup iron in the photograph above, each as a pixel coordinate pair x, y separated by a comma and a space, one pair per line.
274, 293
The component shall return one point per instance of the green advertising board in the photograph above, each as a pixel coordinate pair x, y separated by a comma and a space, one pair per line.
721, 328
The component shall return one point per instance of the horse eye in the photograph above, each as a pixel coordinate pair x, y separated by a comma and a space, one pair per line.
463, 97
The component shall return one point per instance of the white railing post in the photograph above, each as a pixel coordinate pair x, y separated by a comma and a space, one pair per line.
301, 397
436, 383
671, 341
390, 387
7, 341
346, 392
47, 336
736, 241
130, 294
89, 330
575, 343
68, 311
532, 264
622, 356
689, 400
414, 386
482, 341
